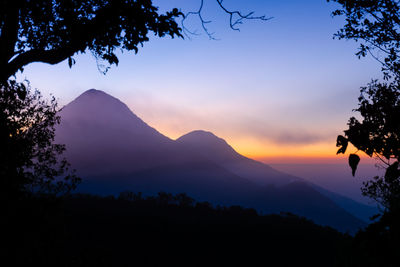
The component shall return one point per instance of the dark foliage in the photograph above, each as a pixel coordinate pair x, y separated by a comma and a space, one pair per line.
376, 24
378, 135
167, 230
29, 161
51, 31
378, 244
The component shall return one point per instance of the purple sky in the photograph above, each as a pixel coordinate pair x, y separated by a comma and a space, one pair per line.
277, 89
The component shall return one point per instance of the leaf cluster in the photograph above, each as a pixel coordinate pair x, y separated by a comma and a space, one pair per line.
376, 23
51, 31
29, 160
378, 135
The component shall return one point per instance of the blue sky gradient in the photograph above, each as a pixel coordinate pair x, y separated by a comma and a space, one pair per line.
280, 88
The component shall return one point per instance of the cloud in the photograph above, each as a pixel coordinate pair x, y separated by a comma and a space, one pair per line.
276, 132
228, 122
299, 138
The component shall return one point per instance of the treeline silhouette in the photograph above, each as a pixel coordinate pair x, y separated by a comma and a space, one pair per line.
162, 230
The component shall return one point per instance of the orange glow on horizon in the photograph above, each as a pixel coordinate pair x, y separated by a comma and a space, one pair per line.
266, 149
269, 152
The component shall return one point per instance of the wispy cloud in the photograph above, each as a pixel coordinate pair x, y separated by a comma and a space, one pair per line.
174, 121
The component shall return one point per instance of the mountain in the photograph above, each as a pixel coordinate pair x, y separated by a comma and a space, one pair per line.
113, 150
103, 136
220, 152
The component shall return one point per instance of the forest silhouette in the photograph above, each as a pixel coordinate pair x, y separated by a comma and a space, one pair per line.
85, 230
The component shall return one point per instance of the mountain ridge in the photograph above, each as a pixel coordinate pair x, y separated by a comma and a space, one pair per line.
138, 157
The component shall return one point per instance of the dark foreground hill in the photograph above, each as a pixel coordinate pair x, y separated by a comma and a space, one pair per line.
163, 231
113, 150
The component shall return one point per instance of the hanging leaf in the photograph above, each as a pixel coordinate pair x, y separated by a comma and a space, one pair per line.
353, 162
341, 142
71, 62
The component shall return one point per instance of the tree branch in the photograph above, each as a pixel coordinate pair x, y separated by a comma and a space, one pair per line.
81, 34
52, 57
241, 17
235, 18
9, 33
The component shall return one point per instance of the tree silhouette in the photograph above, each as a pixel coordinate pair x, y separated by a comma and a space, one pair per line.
52, 31
377, 25
378, 135
29, 161
184, 200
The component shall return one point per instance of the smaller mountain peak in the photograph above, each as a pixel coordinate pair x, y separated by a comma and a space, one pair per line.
209, 145
200, 133
201, 137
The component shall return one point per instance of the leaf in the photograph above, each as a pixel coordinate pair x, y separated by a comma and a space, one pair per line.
21, 93
341, 142
392, 172
353, 162
71, 62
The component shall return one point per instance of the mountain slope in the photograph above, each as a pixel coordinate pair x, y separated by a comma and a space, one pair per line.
104, 136
220, 152
114, 151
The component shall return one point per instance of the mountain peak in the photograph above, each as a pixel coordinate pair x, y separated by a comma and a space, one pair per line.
200, 133
94, 94
97, 101
94, 91
201, 136
209, 145
97, 109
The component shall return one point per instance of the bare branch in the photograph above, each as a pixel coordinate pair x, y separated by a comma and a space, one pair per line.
387, 163
203, 22
235, 18
240, 17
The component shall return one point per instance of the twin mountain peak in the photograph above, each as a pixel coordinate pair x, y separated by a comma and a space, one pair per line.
99, 110
113, 150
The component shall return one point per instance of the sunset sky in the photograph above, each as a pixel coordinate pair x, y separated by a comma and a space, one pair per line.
276, 90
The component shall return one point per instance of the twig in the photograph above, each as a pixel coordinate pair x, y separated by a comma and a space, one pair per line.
235, 18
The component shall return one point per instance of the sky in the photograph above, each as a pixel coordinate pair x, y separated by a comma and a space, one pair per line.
277, 91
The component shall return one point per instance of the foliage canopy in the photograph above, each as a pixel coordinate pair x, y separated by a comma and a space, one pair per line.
51, 31
29, 160
376, 24
378, 135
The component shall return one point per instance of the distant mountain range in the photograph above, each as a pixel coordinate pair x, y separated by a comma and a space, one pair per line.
113, 150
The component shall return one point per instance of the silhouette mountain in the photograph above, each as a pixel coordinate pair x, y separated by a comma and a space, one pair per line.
104, 136
113, 150
220, 152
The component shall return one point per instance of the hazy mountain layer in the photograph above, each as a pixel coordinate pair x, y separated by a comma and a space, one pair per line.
114, 151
